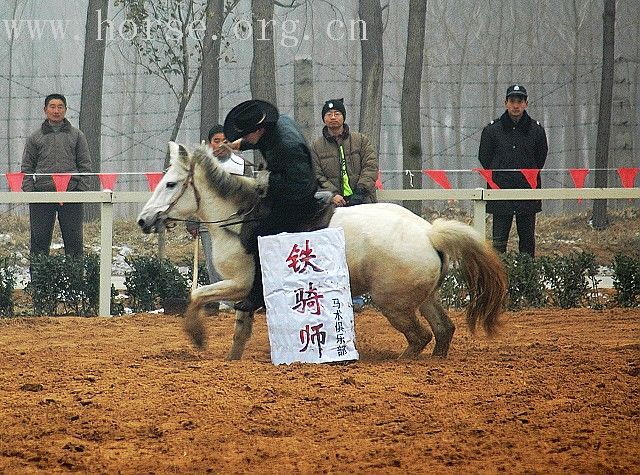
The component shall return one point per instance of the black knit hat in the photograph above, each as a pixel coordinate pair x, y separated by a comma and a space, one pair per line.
334, 104
247, 117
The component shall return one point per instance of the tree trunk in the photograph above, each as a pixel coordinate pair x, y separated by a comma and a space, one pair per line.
10, 89
599, 219
372, 69
90, 121
262, 78
303, 110
263, 65
410, 102
210, 97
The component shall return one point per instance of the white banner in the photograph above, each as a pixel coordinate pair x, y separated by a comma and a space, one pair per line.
307, 296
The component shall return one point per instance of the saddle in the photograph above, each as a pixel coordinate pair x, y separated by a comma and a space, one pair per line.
319, 220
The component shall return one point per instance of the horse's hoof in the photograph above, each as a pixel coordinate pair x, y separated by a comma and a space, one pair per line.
196, 331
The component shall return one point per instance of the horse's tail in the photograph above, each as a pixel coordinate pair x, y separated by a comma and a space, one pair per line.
481, 267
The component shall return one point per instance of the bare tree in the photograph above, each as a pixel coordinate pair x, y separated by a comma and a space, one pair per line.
410, 102
167, 36
262, 79
600, 220
210, 96
371, 30
14, 17
90, 120
216, 13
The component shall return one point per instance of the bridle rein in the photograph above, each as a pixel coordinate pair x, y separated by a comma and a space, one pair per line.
229, 221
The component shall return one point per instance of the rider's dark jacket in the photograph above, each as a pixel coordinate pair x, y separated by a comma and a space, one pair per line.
506, 144
292, 181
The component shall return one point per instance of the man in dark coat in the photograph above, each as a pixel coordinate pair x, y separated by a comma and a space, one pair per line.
509, 144
292, 183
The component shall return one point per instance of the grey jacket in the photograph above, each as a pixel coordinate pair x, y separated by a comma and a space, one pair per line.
48, 151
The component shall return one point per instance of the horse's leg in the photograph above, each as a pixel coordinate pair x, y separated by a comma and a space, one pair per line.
194, 324
442, 326
241, 334
407, 323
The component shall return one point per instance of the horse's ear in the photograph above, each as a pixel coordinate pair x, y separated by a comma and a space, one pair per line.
174, 150
177, 151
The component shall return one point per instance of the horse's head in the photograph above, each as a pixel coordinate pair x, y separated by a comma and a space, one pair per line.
175, 197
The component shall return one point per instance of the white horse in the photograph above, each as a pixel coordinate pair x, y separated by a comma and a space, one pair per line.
397, 257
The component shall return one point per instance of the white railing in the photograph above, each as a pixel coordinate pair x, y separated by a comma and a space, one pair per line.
479, 196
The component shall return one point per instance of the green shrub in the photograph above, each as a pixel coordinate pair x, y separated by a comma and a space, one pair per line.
526, 285
626, 279
567, 278
7, 285
151, 280
64, 285
453, 291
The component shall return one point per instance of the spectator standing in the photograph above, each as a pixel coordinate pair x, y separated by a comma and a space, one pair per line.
345, 162
511, 143
56, 147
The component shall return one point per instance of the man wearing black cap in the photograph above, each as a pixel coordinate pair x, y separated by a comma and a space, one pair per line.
512, 143
345, 161
257, 125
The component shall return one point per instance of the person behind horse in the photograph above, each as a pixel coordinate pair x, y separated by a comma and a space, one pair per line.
290, 182
345, 163
511, 143
234, 165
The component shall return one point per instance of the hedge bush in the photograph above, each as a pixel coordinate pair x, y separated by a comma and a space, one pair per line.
71, 286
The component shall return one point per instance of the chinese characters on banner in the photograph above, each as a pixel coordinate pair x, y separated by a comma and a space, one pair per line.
307, 296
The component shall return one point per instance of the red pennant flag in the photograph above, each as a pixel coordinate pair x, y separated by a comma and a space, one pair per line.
15, 180
378, 184
628, 176
153, 178
487, 175
531, 174
440, 177
107, 180
578, 175
61, 181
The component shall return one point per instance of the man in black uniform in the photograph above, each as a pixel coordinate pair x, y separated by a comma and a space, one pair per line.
509, 144
292, 183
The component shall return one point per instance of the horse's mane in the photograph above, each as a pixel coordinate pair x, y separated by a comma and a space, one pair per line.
237, 188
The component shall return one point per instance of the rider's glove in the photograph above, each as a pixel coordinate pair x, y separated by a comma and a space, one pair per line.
262, 182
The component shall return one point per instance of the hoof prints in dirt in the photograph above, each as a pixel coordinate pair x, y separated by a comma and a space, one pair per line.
174, 355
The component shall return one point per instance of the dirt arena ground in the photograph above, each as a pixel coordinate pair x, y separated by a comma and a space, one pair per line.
556, 392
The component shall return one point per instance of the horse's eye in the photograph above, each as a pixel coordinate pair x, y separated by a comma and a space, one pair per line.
171, 184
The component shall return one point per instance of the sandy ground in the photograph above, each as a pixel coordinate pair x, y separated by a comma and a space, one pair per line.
556, 392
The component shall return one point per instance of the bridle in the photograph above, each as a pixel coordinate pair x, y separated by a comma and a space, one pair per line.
229, 221
187, 182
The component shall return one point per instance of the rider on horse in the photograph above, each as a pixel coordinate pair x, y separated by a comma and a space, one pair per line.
290, 181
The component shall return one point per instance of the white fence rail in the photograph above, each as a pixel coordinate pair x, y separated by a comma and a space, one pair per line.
479, 196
